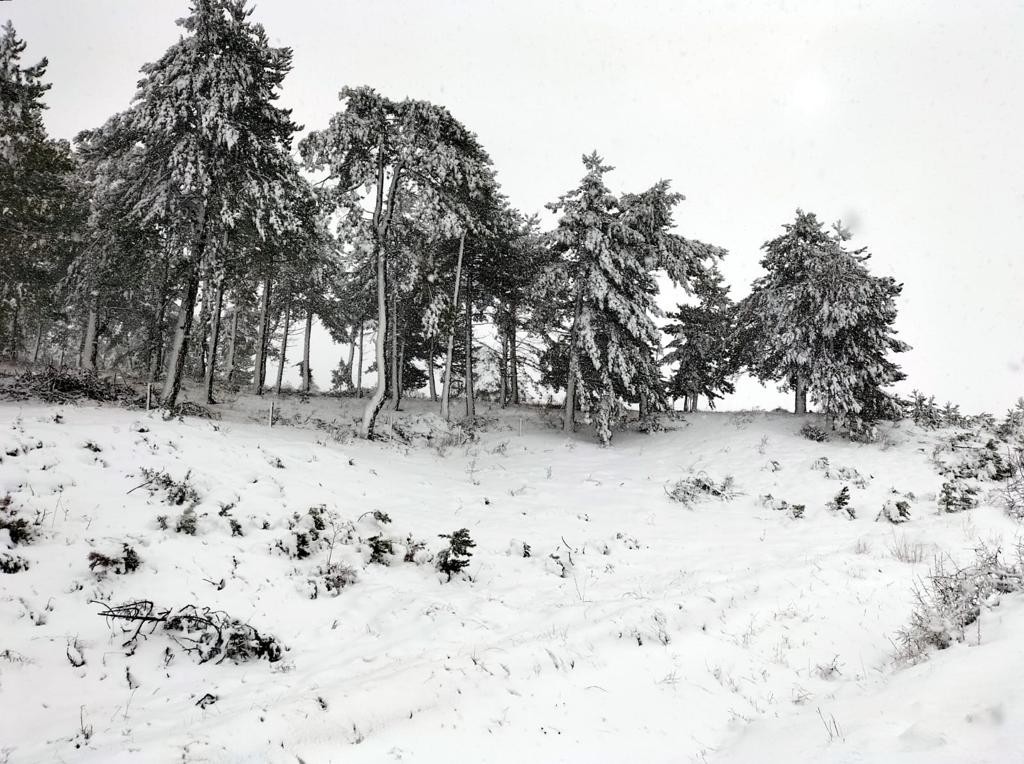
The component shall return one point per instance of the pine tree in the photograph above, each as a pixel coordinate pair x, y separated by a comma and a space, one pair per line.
819, 322
610, 248
41, 204
396, 149
701, 345
211, 149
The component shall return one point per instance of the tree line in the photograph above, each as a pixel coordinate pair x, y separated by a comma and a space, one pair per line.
190, 234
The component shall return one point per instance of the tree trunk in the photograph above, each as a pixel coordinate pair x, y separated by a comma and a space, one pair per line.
211, 364
39, 342
569, 424
230, 362
503, 371
349, 383
800, 395
430, 371
381, 224
90, 348
643, 405
399, 375
359, 371
179, 350
376, 402
204, 326
470, 392
156, 332
307, 373
183, 331
14, 331
260, 362
396, 381
513, 357
284, 347
446, 385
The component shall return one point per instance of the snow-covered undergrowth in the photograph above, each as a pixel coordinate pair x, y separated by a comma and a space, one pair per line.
597, 618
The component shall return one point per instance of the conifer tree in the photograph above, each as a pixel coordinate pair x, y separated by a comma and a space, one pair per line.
821, 324
610, 248
394, 150
701, 345
212, 148
41, 204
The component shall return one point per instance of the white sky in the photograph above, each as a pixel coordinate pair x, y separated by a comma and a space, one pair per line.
905, 119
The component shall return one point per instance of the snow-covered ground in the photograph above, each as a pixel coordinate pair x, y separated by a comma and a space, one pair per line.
728, 631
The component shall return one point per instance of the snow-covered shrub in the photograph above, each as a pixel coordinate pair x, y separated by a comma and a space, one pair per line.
796, 511
214, 635
455, 557
332, 578
127, 562
841, 503
416, 551
812, 432
690, 490
1013, 490
12, 563
187, 522
17, 529
895, 512
381, 550
957, 496
309, 532
176, 492
204, 633
952, 598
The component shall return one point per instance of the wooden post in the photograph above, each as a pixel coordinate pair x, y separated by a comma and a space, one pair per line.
149, 394
270, 418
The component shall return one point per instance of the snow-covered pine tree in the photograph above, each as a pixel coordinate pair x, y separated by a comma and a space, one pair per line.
41, 204
701, 344
212, 147
393, 149
610, 248
819, 322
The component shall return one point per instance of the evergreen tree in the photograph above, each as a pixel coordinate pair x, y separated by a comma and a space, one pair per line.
610, 248
41, 204
701, 345
395, 150
212, 148
821, 324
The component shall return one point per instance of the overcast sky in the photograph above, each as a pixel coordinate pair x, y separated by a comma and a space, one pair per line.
904, 119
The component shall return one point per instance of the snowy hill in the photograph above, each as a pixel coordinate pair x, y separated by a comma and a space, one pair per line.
637, 628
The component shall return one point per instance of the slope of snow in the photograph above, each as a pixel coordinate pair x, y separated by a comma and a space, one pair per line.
723, 632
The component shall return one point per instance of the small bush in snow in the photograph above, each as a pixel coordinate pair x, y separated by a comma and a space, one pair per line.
12, 563
895, 512
19, 530
951, 599
796, 511
455, 557
1013, 490
176, 492
812, 432
841, 503
957, 496
381, 550
187, 522
332, 578
690, 490
415, 550
206, 634
127, 562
